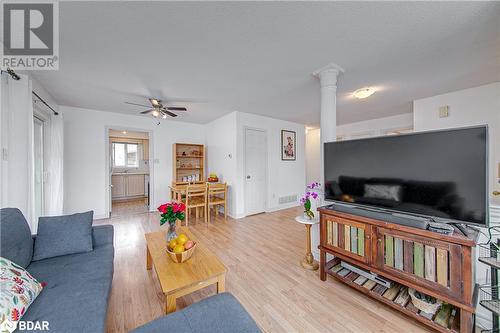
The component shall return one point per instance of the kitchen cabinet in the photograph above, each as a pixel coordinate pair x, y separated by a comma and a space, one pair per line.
128, 185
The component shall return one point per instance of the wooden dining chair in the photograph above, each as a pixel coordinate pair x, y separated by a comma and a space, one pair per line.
217, 196
196, 197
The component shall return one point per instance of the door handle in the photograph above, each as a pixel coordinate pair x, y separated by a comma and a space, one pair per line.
495, 193
248, 177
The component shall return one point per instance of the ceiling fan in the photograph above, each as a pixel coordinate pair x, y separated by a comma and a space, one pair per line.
157, 109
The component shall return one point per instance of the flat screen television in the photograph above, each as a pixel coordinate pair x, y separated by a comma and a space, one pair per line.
437, 174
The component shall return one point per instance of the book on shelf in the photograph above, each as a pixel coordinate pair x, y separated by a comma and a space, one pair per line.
403, 296
392, 292
370, 284
360, 280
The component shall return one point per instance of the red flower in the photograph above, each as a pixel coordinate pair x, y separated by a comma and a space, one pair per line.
14, 315
182, 207
163, 208
175, 207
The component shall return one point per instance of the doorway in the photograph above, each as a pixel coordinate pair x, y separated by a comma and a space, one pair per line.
129, 172
255, 171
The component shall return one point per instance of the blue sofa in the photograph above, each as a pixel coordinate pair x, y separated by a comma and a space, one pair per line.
78, 285
220, 313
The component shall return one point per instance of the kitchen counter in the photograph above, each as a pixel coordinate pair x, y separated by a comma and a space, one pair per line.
129, 173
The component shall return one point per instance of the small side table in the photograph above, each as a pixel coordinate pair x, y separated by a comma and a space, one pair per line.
308, 262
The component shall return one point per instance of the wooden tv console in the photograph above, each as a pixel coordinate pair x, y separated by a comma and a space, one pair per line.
434, 264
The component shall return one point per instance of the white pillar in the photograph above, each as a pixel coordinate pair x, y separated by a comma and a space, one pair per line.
328, 79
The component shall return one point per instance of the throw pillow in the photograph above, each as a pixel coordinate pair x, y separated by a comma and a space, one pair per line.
18, 290
379, 191
62, 235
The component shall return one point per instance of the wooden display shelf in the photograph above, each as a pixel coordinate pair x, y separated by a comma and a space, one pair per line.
189, 156
406, 308
188, 160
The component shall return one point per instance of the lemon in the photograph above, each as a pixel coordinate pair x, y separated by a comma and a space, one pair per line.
182, 239
172, 244
178, 248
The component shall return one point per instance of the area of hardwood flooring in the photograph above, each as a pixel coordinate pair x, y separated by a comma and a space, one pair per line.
262, 255
129, 207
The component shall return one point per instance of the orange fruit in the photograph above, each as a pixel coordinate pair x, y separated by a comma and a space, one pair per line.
178, 248
182, 239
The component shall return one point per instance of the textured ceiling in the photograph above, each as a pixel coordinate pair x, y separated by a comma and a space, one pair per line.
257, 57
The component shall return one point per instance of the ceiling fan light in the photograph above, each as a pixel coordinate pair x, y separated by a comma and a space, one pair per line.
364, 92
156, 113
154, 102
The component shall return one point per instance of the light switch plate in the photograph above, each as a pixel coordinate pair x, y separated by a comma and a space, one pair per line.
444, 111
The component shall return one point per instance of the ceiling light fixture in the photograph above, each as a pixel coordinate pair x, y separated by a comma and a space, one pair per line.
155, 113
124, 132
364, 92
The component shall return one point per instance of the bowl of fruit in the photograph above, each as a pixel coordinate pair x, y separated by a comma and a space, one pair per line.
181, 248
212, 178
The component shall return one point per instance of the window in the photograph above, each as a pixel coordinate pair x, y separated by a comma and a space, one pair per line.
125, 155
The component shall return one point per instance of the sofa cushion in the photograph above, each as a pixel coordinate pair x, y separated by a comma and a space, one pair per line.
62, 235
19, 290
221, 313
15, 237
76, 295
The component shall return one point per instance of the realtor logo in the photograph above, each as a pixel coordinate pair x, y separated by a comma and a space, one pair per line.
30, 35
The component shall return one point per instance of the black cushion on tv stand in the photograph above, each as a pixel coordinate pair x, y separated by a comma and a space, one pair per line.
373, 213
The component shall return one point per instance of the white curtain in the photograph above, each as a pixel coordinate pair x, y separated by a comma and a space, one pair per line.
17, 145
54, 150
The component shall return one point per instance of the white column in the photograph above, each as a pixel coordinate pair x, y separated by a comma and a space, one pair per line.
328, 79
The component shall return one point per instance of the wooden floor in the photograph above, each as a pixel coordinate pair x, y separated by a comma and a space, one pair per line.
262, 254
129, 207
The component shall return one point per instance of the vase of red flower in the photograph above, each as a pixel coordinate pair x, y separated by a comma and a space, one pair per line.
171, 212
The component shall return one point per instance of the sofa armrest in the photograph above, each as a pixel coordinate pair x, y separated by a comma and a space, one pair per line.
102, 235
220, 313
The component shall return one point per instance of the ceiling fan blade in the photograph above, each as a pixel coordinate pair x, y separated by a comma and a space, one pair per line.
175, 108
147, 111
169, 113
147, 106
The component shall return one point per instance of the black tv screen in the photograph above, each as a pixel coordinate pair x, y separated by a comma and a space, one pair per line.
439, 174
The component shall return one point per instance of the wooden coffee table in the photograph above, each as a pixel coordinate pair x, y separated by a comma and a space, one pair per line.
178, 279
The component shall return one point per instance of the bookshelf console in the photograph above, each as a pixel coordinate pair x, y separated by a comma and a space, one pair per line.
431, 263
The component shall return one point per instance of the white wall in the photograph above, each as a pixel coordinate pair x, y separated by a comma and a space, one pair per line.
85, 153
221, 154
313, 155
284, 177
375, 127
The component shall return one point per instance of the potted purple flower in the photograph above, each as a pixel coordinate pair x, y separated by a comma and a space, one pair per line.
312, 191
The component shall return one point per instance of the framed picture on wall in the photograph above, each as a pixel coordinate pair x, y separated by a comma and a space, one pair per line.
288, 145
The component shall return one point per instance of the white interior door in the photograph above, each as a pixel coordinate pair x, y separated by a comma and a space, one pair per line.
255, 171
